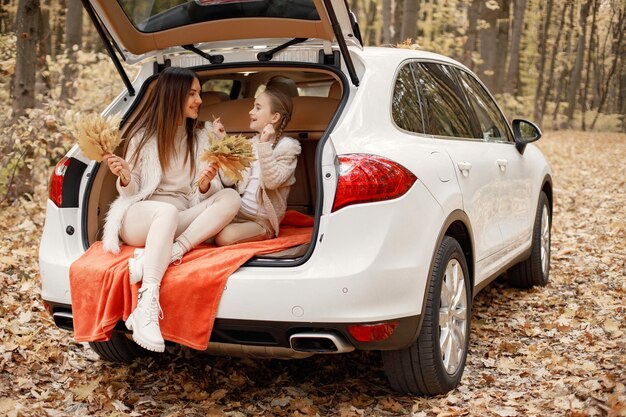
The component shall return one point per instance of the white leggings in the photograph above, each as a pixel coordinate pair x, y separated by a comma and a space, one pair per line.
155, 225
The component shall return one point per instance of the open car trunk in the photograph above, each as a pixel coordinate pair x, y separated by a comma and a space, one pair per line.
229, 93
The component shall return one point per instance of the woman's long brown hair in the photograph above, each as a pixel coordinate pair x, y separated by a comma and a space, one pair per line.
165, 109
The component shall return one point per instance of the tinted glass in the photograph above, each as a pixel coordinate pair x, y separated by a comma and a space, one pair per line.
445, 111
405, 106
492, 123
156, 15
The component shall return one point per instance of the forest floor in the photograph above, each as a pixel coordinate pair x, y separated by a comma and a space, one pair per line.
557, 350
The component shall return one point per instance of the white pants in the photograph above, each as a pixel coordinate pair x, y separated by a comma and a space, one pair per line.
155, 225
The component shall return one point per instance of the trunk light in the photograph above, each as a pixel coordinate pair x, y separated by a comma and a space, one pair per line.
372, 332
365, 178
55, 189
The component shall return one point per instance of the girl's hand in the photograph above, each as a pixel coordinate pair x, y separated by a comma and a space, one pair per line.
119, 167
204, 180
219, 129
268, 134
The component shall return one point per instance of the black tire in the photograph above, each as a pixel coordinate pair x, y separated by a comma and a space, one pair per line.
421, 368
536, 269
120, 348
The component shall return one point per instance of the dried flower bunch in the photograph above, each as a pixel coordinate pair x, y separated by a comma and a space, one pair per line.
232, 154
98, 136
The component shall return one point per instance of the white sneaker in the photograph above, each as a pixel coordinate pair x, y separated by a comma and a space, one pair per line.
135, 266
177, 254
144, 320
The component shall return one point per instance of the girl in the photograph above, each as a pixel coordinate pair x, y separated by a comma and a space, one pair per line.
266, 184
161, 207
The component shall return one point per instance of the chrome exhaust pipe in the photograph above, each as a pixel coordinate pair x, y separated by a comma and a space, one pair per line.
314, 342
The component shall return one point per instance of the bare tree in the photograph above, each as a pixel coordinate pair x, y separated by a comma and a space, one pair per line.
26, 25
387, 21
543, 39
502, 45
513, 86
471, 43
409, 20
72, 44
590, 56
617, 48
488, 43
574, 85
551, 71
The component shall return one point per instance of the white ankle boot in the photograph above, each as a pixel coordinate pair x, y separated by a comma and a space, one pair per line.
144, 320
135, 266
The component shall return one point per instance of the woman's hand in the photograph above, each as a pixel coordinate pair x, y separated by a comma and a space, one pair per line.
268, 134
119, 167
218, 128
206, 176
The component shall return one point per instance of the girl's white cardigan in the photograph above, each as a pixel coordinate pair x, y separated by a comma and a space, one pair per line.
149, 169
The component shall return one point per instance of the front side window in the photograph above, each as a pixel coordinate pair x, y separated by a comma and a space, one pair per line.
156, 15
405, 104
492, 123
445, 110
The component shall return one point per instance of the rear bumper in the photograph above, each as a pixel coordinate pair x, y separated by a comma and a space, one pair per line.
276, 334
370, 265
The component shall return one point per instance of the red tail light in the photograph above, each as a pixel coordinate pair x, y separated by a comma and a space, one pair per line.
367, 178
55, 189
372, 332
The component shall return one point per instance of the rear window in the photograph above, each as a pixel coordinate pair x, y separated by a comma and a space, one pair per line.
156, 15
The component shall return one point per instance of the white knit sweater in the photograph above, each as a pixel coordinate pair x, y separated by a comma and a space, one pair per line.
278, 167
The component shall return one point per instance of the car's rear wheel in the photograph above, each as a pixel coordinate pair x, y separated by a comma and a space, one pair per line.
434, 363
536, 269
120, 348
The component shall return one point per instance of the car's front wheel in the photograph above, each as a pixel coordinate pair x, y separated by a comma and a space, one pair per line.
434, 363
119, 348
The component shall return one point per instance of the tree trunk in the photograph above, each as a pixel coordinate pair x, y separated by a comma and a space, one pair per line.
574, 85
513, 86
59, 29
26, 25
543, 40
504, 22
387, 24
72, 45
44, 47
397, 19
618, 46
551, 71
590, 53
565, 70
5, 18
488, 39
470, 47
409, 20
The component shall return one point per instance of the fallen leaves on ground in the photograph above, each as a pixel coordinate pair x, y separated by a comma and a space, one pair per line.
557, 350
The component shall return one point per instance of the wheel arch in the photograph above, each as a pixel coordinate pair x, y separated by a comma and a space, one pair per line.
458, 227
546, 187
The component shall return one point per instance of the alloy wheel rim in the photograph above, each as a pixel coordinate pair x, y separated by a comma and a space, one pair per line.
545, 240
453, 317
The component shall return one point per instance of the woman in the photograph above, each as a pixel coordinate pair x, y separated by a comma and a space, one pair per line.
172, 201
266, 184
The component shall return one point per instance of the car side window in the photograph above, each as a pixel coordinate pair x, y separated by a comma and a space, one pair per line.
445, 110
405, 104
492, 123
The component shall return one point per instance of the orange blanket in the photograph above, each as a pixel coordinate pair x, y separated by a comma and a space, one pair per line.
190, 292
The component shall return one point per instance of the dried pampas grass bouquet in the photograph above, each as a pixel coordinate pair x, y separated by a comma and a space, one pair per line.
232, 154
98, 136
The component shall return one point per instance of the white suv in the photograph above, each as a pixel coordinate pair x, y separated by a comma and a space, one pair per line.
421, 190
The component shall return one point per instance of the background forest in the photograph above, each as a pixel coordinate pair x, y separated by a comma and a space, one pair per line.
559, 63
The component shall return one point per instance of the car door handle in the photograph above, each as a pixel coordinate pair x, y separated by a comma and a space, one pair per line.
464, 167
502, 163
